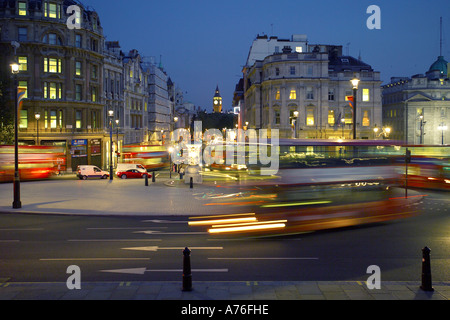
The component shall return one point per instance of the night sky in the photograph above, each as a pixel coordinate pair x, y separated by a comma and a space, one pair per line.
204, 43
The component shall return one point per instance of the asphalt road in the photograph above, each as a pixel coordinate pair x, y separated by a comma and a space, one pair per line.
39, 248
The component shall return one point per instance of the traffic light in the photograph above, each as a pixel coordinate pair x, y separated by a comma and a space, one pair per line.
408, 156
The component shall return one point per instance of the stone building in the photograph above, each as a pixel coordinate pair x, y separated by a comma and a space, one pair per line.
62, 72
305, 94
418, 107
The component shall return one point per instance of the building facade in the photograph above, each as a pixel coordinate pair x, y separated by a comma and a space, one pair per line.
62, 73
418, 107
306, 94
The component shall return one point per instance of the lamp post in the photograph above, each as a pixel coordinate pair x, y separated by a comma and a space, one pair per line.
170, 161
442, 128
111, 114
117, 128
422, 123
375, 131
17, 204
295, 123
37, 115
355, 83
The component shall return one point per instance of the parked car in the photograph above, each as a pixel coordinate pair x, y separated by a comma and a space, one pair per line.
87, 171
122, 167
132, 174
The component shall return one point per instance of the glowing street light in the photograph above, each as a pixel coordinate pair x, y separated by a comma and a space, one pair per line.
355, 83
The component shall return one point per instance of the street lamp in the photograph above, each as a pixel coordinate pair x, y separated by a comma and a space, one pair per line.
117, 127
355, 83
111, 114
442, 128
17, 204
37, 115
375, 131
295, 123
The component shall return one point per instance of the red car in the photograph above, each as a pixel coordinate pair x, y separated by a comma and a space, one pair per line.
132, 174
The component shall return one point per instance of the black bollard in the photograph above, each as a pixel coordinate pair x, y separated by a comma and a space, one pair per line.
187, 276
146, 180
426, 270
192, 183
153, 176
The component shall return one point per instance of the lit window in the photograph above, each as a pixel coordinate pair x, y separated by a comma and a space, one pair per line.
52, 10
331, 118
52, 65
23, 63
78, 68
94, 94
22, 8
366, 95
299, 49
52, 90
366, 119
23, 85
278, 95
78, 120
53, 119
293, 94
131, 73
310, 117
23, 121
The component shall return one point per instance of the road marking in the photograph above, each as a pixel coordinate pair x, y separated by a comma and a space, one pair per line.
112, 240
24, 229
164, 221
171, 233
156, 248
273, 258
93, 259
141, 271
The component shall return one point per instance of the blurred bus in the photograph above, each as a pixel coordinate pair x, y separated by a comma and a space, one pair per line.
35, 162
152, 157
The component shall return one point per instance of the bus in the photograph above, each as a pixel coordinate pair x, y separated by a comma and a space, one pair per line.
152, 157
35, 162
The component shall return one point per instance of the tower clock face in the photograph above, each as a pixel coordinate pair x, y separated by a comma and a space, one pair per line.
216, 102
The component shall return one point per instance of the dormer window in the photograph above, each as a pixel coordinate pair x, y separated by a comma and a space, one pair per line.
52, 10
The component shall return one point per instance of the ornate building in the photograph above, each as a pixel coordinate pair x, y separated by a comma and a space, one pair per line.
305, 94
62, 72
418, 108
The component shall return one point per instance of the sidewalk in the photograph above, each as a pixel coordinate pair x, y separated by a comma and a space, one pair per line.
239, 290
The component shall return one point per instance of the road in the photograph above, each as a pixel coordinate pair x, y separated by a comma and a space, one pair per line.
39, 248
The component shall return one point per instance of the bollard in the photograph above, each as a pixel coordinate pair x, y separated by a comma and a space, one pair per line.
146, 180
187, 276
192, 183
426, 270
153, 176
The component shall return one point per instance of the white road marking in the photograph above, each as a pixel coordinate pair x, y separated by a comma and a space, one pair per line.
93, 259
141, 271
268, 258
156, 248
112, 240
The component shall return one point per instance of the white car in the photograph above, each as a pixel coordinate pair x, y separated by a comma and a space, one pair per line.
88, 171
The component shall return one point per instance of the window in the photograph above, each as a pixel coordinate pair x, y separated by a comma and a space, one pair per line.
310, 71
78, 89
293, 94
94, 94
277, 117
309, 93
23, 34
299, 49
292, 71
366, 119
52, 65
331, 95
331, 117
131, 73
78, 40
53, 119
277, 49
22, 8
277, 71
77, 68
310, 117
78, 119
52, 90
23, 85
46, 119
278, 95
60, 119
23, 120
52, 10
366, 95
23, 63
94, 72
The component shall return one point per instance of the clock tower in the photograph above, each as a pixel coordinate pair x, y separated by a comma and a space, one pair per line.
217, 101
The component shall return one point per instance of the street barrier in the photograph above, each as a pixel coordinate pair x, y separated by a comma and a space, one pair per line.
187, 275
426, 270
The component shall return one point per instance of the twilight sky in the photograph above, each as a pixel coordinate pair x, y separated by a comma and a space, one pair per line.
204, 43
